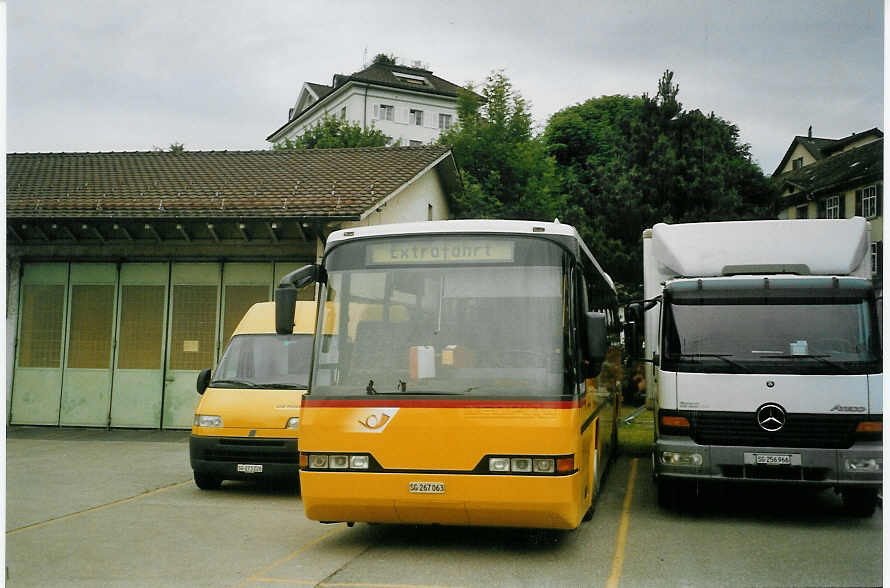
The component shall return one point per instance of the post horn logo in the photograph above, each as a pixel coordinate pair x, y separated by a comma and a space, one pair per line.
374, 421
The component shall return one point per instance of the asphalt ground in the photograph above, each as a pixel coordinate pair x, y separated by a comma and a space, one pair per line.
119, 508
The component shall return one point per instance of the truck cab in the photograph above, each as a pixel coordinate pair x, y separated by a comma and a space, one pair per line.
764, 357
246, 422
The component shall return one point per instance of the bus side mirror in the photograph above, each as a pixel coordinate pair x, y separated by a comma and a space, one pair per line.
597, 341
203, 380
286, 296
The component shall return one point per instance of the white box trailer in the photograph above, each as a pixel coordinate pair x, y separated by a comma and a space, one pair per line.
764, 357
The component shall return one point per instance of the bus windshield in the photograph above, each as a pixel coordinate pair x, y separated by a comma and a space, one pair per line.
265, 361
469, 316
832, 335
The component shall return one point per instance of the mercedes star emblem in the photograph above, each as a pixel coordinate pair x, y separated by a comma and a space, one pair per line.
771, 417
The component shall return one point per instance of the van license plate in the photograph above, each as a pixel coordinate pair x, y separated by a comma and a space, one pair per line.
250, 468
772, 459
426, 487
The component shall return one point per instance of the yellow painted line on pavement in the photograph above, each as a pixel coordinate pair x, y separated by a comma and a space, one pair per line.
344, 584
621, 541
97, 508
260, 574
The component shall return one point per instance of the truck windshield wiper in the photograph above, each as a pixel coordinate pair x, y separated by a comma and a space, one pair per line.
239, 383
723, 356
820, 358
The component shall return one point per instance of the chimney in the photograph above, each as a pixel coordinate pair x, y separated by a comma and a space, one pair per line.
810, 132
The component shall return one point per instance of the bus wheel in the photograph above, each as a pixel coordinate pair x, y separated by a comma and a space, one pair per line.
860, 502
589, 514
207, 481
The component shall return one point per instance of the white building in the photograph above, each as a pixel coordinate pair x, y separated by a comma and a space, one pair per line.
408, 104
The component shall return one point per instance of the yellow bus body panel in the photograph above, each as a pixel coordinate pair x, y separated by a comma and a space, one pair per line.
448, 441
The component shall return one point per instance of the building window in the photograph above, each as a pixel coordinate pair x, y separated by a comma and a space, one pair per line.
429, 212
384, 111
797, 163
415, 117
876, 254
803, 211
413, 143
343, 112
833, 207
444, 121
867, 202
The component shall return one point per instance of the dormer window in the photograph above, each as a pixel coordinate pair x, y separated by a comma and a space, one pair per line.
411, 79
797, 163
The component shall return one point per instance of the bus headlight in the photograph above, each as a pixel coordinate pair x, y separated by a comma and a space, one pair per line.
358, 462
529, 465
499, 464
207, 420
292, 423
318, 461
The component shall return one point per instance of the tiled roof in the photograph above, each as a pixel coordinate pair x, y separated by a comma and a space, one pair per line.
820, 147
321, 183
320, 89
838, 172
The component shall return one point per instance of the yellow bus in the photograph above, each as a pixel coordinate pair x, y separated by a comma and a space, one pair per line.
459, 377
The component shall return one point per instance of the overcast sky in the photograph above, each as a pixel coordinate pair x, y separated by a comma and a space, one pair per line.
132, 75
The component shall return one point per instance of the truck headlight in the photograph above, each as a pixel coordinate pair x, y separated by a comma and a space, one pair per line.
208, 420
292, 423
863, 464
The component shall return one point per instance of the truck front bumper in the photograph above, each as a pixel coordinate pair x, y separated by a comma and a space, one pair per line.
221, 456
681, 458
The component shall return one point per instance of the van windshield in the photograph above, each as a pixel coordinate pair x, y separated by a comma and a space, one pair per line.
265, 361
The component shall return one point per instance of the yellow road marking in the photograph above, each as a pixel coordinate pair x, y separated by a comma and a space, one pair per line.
97, 508
366, 585
292, 554
621, 542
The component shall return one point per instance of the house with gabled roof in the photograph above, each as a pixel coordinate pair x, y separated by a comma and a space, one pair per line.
128, 272
410, 105
836, 178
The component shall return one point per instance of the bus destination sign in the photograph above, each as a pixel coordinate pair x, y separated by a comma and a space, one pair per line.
418, 252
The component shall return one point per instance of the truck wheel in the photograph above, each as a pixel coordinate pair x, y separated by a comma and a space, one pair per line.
860, 502
668, 492
207, 481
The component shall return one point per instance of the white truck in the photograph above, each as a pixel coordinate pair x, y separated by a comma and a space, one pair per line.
763, 356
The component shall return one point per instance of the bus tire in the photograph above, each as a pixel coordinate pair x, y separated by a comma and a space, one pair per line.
860, 502
207, 481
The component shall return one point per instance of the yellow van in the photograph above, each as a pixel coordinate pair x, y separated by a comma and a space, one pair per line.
246, 421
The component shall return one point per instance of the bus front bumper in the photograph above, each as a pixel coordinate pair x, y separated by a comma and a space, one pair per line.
548, 502
231, 458
860, 465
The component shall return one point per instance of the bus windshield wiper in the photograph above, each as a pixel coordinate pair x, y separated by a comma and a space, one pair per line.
723, 356
282, 386
239, 383
819, 358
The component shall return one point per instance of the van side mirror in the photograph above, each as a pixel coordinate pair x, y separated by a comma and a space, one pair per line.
203, 380
286, 295
597, 341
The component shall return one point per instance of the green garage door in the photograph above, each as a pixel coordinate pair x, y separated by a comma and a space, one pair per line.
37, 380
86, 382
141, 334
193, 337
244, 284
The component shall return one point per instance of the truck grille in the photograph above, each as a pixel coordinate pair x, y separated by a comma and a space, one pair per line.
800, 430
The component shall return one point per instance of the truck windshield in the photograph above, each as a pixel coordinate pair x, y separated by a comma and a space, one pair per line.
829, 335
457, 316
265, 361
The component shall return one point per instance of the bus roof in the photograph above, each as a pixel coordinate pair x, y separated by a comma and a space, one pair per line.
513, 227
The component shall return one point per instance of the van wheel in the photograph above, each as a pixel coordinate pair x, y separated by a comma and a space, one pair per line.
207, 481
860, 502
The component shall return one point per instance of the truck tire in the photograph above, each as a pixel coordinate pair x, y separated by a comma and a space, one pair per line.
207, 481
669, 493
860, 502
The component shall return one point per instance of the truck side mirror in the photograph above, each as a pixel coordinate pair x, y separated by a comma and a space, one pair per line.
286, 296
203, 380
597, 341
633, 342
